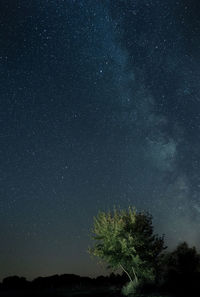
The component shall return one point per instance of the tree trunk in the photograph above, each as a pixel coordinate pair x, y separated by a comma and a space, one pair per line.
135, 275
126, 272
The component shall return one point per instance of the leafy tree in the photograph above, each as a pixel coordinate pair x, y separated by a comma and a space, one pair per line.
125, 239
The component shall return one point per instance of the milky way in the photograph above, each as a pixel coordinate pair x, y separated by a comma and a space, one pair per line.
100, 107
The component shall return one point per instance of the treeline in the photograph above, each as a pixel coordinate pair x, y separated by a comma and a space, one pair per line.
69, 281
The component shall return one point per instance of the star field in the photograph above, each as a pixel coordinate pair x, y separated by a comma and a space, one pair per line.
100, 106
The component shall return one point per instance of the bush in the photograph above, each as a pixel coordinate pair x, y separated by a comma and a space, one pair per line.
131, 288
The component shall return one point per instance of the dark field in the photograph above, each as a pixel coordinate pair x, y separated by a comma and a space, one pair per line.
62, 292
94, 292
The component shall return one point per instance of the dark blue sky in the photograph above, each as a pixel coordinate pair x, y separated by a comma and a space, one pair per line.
100, 106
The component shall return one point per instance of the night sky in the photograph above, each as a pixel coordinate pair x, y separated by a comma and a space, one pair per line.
100, 106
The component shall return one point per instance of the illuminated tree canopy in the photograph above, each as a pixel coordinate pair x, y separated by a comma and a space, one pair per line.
125, 239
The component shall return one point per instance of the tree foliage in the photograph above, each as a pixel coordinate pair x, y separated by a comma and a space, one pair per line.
125, 239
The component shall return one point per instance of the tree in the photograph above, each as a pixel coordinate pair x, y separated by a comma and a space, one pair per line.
181, 269
124, 239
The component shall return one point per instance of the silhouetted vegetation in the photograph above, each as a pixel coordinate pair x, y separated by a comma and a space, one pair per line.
63, 285
181, 271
